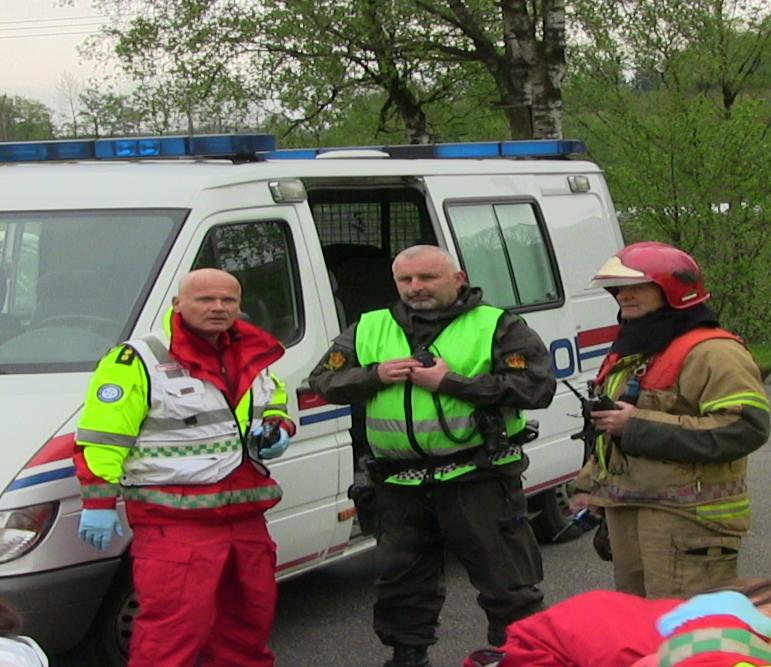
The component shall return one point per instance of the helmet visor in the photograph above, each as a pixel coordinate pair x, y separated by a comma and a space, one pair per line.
614, 274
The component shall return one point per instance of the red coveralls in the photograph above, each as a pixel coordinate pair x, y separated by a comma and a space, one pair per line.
205, 578
612, 629
593, 629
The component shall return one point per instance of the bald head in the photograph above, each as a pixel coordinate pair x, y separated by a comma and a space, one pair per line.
206, 277
427, 277
209, 301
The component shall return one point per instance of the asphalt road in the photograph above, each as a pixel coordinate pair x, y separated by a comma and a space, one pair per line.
324, 618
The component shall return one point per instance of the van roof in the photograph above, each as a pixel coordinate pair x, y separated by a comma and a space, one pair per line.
175, 183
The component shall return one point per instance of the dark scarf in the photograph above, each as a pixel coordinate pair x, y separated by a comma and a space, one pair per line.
653, 332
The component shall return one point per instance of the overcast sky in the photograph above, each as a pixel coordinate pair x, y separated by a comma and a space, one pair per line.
37, 46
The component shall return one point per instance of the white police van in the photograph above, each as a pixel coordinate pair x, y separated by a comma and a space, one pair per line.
95, 235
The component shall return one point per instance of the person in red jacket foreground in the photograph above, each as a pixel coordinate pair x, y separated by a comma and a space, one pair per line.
719, 629
728, 628
175, 423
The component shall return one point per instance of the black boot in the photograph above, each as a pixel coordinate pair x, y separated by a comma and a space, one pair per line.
409, 656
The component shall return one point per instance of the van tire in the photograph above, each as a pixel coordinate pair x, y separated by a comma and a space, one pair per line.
106, 644
552, 514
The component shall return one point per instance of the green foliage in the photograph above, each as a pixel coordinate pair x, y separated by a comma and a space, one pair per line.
22, 119
310, 62
685, 138
762, 354
105, 113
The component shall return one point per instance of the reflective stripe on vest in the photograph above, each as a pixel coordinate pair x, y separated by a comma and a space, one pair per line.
418, 475
188, 501
402, 410
731, 641
190, 434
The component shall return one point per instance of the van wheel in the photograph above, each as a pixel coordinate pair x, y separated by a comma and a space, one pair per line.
106, 644
552, 509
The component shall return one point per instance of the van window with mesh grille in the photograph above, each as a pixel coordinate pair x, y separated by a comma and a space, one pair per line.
390, 219
361, 231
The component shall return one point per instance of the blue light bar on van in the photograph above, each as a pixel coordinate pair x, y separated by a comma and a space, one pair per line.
228, 146
541, 148
293, 154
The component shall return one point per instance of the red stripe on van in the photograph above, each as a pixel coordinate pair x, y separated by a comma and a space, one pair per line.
56, 449
298, 561
337, 548
597, 336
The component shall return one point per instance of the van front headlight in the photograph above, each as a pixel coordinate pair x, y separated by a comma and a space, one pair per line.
22, 529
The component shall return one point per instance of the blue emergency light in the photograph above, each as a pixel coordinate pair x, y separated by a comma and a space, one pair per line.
541, 148
263, 146
228, 146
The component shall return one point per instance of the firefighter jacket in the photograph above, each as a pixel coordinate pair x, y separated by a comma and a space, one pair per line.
169, 441
495, 360
685, 447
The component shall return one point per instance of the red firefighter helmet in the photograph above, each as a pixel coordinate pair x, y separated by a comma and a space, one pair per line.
674, 271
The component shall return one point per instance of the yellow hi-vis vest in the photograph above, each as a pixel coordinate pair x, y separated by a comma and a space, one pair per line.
402, 415
190, 434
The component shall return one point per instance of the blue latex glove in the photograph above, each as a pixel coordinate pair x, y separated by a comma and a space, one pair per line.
97, 526
728, 603
278, 448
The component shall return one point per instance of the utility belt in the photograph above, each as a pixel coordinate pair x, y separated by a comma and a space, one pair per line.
482, 456
378, 470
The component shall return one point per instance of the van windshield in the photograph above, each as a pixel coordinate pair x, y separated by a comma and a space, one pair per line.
72, 282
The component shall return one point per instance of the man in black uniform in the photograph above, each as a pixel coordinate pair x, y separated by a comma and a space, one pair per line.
445, 378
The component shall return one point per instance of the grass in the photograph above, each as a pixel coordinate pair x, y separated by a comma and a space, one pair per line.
762, 354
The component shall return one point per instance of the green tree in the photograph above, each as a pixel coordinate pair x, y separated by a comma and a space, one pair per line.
310, 61
667, 92
68, 90
519, 44
105, 113
22, 119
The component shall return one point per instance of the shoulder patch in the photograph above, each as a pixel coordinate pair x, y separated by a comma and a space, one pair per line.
335, 361
126, 356
516, 361
109, 393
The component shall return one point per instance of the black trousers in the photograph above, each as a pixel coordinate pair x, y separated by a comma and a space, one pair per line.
484, 524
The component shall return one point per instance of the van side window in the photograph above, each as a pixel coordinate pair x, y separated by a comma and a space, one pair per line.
20, 285
72, 282
361, 230
260, 255
505, 251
